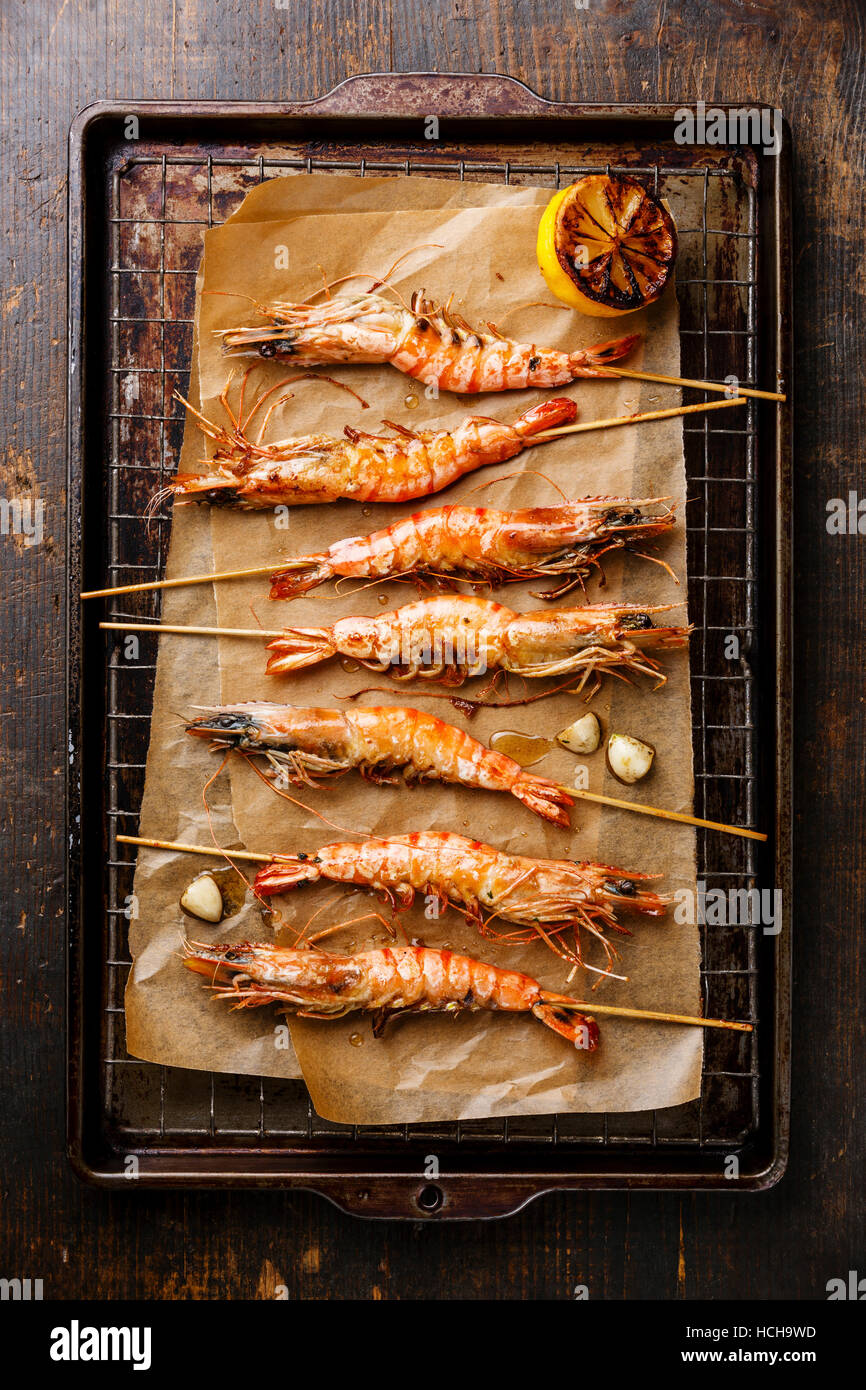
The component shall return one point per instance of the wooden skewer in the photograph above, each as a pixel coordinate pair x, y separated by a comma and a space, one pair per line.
619, 1012
636, 419
592, 1008
213, 850
662, 814
196, 631
701, 385
273, 568
537, 438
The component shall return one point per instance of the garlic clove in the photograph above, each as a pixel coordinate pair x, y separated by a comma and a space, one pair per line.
628, 758
203, 899
583, 736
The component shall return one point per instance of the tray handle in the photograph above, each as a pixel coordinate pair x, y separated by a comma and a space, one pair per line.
449, 1198
459, 94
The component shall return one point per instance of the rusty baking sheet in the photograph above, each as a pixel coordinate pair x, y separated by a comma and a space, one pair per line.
137, 208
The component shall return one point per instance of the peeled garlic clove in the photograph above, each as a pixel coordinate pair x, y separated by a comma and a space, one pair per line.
628, 759
203, 899
583, 736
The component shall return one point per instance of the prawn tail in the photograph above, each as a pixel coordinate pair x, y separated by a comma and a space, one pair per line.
282, 874
300, 578
547, 415
556, 1011
544, 798
592, 361
299, 647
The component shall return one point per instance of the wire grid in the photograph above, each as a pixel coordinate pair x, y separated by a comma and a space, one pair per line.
151, 305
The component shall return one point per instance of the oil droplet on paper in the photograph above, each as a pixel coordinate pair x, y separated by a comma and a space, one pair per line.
525, 749
271, 917
411, 401
356, 1040
349, 665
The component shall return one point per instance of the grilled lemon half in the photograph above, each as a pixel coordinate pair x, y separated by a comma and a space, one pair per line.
606, 246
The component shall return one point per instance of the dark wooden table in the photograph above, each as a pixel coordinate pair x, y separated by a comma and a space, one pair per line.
55, 57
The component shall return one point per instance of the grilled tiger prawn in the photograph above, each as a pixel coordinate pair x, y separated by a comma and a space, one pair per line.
545, 898
485, 546
431, 343
387, 983
363, 467
308, 745
457, 636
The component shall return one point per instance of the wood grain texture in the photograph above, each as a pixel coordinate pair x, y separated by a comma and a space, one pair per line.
57, 56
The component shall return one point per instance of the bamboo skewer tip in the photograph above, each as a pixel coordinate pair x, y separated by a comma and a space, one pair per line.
210, 851
585, 426
698, 384
662, 1016
680, 816
192, 630
188, 579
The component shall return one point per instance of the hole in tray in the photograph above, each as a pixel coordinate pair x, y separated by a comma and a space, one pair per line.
430, 1198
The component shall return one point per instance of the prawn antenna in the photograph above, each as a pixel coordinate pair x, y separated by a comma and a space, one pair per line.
376, 281
280, 791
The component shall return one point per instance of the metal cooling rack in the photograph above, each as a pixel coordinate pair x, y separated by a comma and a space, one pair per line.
158, 206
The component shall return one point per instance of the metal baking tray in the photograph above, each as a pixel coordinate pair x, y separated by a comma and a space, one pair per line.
137, 207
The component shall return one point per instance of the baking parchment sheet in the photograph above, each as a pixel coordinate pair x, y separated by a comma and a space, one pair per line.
475, 1065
